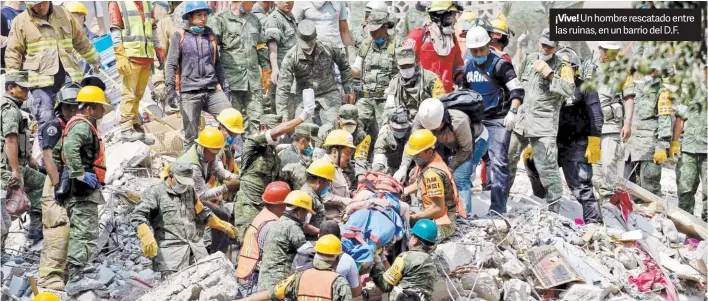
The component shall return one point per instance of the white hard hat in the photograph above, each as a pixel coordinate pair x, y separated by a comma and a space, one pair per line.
477, 37
431, 113
376, 6
611, 45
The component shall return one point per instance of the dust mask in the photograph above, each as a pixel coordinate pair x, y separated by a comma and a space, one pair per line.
407, 73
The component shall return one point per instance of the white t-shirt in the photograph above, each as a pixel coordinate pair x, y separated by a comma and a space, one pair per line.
326, 15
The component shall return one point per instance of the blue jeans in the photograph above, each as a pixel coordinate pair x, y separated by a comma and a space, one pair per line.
462, 175
498, 163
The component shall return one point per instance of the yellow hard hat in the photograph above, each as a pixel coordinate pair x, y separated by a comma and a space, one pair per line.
46, 296
76, 7
299, 198
339, 137
442, 6
500, 26
211, 138
232, 120
419, 141
329, 245
93, 94
467, 16
322, 168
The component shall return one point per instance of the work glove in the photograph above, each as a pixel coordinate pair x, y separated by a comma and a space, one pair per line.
527, 154
593, 150
159, 93
659, 156
675, 150
233, 184
89, 178
510, 121
400, 175
265, 80
308, 104
217, 224
542, 67
173, 99
148, 240
567, 73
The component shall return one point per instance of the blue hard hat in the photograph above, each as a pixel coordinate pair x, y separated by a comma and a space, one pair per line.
426, 230
193, 6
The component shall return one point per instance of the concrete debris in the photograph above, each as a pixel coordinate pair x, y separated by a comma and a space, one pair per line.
583, 292
484, 285
454, 255
516, 290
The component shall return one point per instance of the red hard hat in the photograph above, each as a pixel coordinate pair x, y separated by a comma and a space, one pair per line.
276, 192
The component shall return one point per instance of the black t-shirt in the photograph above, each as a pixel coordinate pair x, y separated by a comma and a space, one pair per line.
51, 133
583, 118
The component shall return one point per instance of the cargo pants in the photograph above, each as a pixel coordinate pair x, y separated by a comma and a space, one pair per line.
52, 261
690, 171
250, 104
33, 181
192, 104
606, 173
545, 154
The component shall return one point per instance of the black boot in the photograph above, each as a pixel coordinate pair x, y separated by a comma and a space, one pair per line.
35, 233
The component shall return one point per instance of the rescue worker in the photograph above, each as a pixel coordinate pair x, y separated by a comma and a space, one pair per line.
79, 12
359, 34
37, 45
347, 119
495, 80
308, 65
284, 237
578, 140
499, 35
10, 10
52, 261
80, 151
375, 65
260, 163
318, 182
415, 17
547, 82
651, 130
617, 102
412, 84
436, 184
465, 21
231, 126
435, 44
330, 19
177, 217
413, 271
46, 296
242, 54
17, 166
261, 9
279, 33
295, 159
249, 258
135, 46
339, 148
455, 138
195, 78
165, 28
320, 282
692, 166
388, 149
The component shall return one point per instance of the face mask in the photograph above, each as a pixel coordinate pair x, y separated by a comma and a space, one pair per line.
197, 29
179, 188
241, 10
407, 73
380, 41
231, 140
308, 151
479, 60
419, 161
399, 135
547, 58
350, 128
325, 190
23, 7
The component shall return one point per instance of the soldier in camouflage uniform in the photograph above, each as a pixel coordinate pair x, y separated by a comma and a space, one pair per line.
279, 33
346, 120
309, 66
319, 177
692, 167
651, 131
301, 148
376, 66
261, 10
412, 84
415, 17
16, 163
243, 55
547, 82
388, 149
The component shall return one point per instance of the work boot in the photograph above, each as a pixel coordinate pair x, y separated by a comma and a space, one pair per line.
35, 233
78, 283
148, 139
130, 135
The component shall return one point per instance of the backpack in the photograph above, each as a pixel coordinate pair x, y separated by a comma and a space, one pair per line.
214, 43
467, 101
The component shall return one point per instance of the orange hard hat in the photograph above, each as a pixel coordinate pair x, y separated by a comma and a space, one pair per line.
276, 192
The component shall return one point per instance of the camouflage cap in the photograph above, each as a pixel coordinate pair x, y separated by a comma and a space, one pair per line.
271, 120
348, 114
376, 20
20, 78
405, 55
399, 119
306, 30
182, 172
546, 38
307, 130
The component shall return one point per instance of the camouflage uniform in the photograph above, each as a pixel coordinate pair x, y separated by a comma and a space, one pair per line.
348, 114
295, 174
413, 271
12, 121
317, 206
538, 122
313, 71
177, 228
410, 93
651, 131
280, 28
259, 166
242, 56
692, 166
288, 289
284, 238
390, 148
292, 154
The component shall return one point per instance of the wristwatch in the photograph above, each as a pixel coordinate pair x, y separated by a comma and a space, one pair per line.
514, 110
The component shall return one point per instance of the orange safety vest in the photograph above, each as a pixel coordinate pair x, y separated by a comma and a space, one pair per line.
99, 164
316, 285
439, 164
230, 166
250, 253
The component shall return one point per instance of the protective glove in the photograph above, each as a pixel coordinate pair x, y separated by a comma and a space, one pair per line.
527, 154
217, 224
390, 103
542, 67
675, 150
659, 155
308, 104
510, 121
148, 240
567, 73
593, 150
358, 63
159, 93
89, 178
173, 99
233, 184
400, 175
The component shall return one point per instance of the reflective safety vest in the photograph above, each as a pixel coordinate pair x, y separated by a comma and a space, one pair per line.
490, 92
23, 135
451, 201
99, 163
316, 285
136, 33
250, 253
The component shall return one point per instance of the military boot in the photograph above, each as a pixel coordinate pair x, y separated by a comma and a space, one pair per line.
35, 233
148, 139
130, 135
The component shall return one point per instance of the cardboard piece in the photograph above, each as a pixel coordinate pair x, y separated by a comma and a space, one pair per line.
550, 267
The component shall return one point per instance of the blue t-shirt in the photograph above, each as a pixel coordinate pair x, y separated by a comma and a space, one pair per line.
8, 14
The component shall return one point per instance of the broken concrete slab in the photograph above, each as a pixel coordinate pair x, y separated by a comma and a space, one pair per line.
583, 292
483, 284
516, 290
19, 285
454, 255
